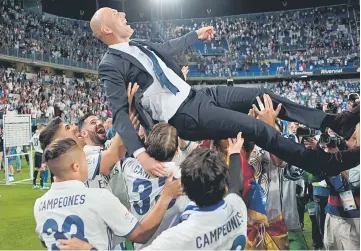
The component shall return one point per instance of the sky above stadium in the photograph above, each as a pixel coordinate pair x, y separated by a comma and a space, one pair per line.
145, 10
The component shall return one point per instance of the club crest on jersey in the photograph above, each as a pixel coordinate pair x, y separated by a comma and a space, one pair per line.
128, 216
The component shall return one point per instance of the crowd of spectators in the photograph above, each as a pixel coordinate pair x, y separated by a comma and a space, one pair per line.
311, 92
45, 97
297, 39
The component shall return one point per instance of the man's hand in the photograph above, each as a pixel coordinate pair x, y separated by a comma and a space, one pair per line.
206, 33
151, 166
252, 113
310, 143
185, 72
235, 145
267, 113
131, 92
73, 244
172, 188
141, 132
133, 116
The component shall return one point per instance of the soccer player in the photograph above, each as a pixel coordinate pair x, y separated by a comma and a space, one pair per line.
93, 132
70, 209
98, 162
212, 220
143, 189
39, 166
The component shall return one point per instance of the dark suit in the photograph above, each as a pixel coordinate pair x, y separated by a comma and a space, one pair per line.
117, 69
209, 113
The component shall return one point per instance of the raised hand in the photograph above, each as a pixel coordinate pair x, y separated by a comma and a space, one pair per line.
151, 165
131, 92
235, 145
266, 112
172, 188
206, 33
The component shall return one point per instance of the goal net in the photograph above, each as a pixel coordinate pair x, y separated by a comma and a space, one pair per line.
17, 134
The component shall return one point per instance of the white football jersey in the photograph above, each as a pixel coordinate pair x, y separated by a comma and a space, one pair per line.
71, 209
182, 154
143, 192
36, 143
219, 227
114, 182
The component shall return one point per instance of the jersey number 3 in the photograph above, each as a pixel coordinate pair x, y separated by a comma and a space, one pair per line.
51, 227
144, 188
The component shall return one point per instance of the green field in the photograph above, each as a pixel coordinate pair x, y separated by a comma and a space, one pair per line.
17, 231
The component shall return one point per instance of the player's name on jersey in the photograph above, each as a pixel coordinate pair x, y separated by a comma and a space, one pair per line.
208, 238
61, 202
99, 182
138, 169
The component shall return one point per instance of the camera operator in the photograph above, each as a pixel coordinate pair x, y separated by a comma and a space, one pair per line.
342, 223
316, 194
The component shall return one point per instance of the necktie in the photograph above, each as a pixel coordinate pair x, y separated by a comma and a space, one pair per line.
158, 70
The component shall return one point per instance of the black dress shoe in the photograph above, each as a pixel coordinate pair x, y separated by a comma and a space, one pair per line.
341, 161
344, 123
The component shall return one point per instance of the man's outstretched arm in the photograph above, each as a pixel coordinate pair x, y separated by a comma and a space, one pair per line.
177, 45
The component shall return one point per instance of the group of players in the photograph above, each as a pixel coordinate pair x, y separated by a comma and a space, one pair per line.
195, 205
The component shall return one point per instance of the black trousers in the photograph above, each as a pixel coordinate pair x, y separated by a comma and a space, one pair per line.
320, 208
221, 112
317, 240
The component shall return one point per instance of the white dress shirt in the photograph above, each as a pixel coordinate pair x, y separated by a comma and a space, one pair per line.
158, 100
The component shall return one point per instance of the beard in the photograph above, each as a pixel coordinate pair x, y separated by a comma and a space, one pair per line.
97, 140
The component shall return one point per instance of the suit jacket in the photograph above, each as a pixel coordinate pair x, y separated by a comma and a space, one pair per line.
117, 69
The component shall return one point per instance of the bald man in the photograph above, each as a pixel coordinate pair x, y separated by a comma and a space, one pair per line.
70, 209
208, 113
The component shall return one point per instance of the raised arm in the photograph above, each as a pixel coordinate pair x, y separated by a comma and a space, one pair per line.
112, 155
177, 45
268, 114
236, 177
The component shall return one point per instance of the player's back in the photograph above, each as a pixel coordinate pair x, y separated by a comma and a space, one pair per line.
144, 191
71, 209
219, 227
36, 143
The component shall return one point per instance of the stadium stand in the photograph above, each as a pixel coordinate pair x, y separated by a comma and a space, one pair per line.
245, 45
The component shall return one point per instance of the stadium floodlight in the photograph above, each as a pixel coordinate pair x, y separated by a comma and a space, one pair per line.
17, 133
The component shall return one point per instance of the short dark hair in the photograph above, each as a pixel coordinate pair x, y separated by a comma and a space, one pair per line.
47, 135
162, 142
205, 177
58, 148
82, 120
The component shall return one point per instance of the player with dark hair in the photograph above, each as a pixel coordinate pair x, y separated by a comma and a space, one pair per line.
71, 204
93, 133
143, 189
99, 162
91, 129
216, 219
